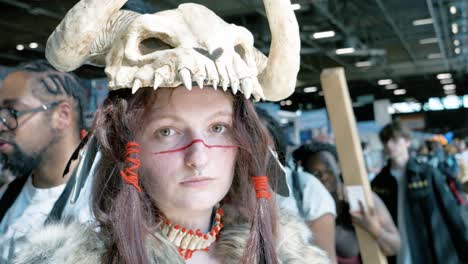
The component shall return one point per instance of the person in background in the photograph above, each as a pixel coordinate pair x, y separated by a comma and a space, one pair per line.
462, 158
418, 198
40, 122
321, 160
308, 197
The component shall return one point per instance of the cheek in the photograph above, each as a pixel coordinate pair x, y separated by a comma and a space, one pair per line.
156, 176
32, 136
224, 160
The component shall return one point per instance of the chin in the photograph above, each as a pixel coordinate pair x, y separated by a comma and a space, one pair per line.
200, 202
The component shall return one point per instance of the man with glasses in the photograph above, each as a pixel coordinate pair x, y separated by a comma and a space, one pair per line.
41, 115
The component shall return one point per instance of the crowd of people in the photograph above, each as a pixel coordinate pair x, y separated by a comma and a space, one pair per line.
188, 170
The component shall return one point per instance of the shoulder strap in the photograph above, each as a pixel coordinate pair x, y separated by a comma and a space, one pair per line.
10, 195
57, 210
297, 190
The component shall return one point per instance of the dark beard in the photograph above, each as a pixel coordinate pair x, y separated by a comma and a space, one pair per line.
20, 163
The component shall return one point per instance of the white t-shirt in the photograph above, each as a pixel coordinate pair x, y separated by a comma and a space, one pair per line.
316, 200
404, 256
27, 214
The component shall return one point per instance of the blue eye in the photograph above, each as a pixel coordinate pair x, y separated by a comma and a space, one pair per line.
218, 128
165, 132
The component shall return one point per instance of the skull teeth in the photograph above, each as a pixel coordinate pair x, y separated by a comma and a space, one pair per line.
157, 81
215, 84
247, 87
136, 86
200, 82
186, 78
235, 87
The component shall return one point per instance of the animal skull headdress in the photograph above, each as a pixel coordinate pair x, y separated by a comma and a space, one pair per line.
180, 46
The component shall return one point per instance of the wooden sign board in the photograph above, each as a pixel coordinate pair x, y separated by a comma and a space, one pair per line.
348, 145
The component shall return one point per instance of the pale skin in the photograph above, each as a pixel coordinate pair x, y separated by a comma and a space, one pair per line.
397, 150
179, 117
378, 223
35, 130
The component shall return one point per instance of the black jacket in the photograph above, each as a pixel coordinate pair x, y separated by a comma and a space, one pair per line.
434, 225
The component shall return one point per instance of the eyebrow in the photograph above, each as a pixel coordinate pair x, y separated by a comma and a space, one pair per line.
12, 102
221, 113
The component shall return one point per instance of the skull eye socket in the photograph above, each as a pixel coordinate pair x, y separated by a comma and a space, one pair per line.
153, 44
239, 49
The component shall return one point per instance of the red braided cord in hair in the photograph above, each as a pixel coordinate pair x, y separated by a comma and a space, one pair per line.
261, 187
83, 133
129, 174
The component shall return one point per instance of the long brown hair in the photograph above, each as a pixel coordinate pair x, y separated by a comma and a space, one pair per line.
127, 217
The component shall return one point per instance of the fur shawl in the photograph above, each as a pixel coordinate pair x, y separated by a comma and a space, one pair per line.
77, 244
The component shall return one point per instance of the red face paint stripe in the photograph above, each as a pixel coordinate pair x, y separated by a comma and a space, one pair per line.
193, 142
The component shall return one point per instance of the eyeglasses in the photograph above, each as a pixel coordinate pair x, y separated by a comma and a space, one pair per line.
9, 116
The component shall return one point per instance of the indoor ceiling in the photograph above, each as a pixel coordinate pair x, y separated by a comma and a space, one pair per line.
407, 41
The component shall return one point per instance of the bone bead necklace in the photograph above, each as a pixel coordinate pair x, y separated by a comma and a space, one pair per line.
188, 241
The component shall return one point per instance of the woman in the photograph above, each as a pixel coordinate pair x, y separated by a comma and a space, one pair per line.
185, 172
321, 160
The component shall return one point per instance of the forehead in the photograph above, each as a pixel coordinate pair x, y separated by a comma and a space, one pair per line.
16, 88
322, 158
397, 139
194, 104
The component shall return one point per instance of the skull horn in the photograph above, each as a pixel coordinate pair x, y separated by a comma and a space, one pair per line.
74, 40
278, 79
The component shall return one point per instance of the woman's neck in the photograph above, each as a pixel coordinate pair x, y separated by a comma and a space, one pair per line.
192, 219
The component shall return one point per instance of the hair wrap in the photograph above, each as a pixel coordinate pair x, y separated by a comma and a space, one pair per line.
129, 174
261, 187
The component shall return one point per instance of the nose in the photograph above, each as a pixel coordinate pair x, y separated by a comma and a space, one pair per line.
3, 127
196, 156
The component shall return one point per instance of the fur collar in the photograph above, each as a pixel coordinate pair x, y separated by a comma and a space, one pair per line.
78, 244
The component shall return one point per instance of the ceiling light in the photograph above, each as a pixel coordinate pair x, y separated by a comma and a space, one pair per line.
312, 89
344, 51
453, 10
446, 81
288, 102
384, 82
421, 22
442, 76
435, 104
19, 47
455, 28
457, 50
33, 45
391, 86
324, 34
449, 87
428, 41
451, 101
434, 56
296, 6
282, 103
363, 64
449, 92
399, 92
456, 42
